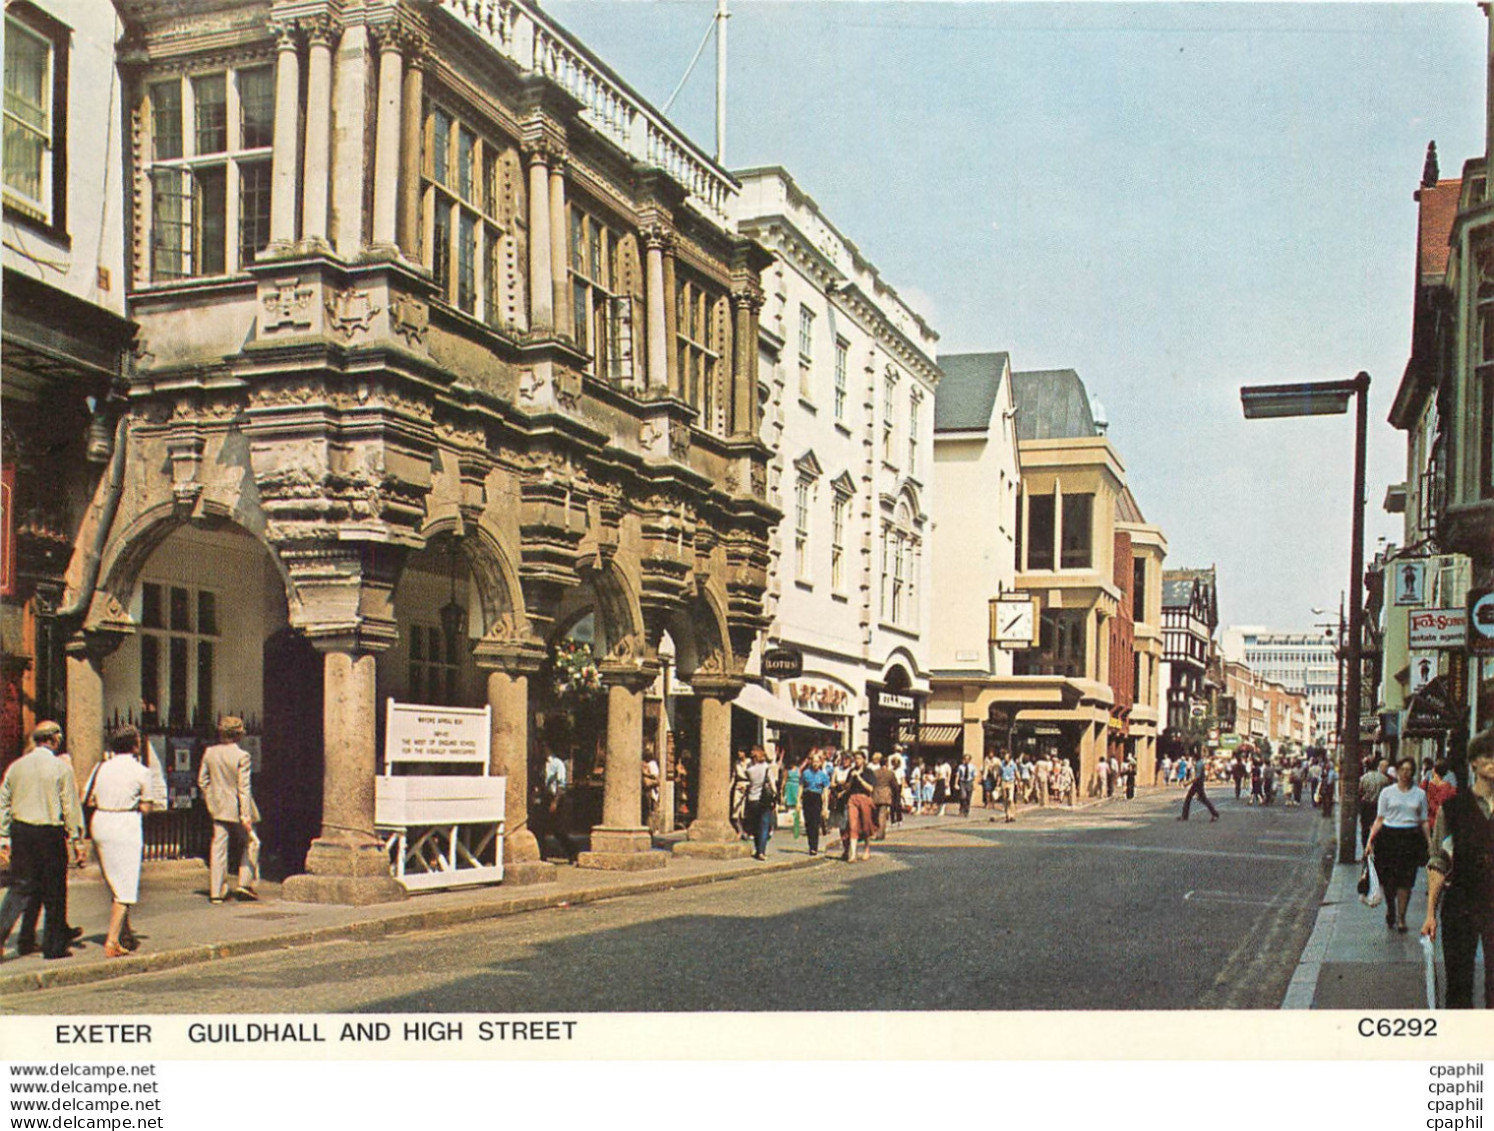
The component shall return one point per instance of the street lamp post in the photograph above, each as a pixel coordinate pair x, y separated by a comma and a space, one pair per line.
1331, 398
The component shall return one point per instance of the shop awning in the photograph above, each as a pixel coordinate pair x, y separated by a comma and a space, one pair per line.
771, 709
932, 734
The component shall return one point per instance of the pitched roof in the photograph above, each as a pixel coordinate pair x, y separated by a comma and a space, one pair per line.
1438, 209
1177, 592
1127, 509
1052, 405
967, 393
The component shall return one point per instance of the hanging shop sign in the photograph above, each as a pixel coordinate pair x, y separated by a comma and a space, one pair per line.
1439, 628
783, 663
1481, 621
1410, 582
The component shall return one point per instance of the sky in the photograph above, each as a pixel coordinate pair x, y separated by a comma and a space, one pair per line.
1173, 200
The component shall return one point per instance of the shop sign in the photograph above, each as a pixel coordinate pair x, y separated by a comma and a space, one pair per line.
1481, 621
892, 701
1439, 628
814, 697
783, 663
1423, 670
1410, 582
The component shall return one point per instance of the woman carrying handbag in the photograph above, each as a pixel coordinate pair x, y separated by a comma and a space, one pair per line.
119, 791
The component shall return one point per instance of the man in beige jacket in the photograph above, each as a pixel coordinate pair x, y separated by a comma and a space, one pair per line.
224, 781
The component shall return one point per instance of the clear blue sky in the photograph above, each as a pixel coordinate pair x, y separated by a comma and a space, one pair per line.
1173, 200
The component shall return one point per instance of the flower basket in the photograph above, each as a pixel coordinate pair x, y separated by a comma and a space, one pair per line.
574, 673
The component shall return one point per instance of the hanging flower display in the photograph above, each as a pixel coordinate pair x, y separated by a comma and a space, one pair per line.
575, 670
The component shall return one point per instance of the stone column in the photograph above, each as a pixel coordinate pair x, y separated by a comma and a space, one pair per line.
347, 863
559, 259
283, 139
745, 305
655, 240
541, 286
387, 133
349, 139
711, 834
317, 167
83, 729
620, 842
508, 696
409, 201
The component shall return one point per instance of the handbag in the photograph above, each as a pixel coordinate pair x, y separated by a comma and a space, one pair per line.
89, 808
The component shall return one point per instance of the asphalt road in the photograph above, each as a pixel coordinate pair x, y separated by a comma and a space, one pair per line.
1118, 907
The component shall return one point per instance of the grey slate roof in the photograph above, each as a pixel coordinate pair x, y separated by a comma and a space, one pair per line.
1052, 405
967, 392
1177, 592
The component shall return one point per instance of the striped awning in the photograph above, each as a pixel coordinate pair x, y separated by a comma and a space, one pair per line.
931, 734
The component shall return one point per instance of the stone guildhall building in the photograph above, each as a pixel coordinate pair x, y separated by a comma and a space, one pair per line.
446, 367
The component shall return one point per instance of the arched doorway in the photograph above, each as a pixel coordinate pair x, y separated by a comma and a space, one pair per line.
212, 638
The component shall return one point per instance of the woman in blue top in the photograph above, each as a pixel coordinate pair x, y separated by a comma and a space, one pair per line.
791, 793
814, 782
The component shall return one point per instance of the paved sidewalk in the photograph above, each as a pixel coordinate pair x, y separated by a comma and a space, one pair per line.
179, 927
1353, 961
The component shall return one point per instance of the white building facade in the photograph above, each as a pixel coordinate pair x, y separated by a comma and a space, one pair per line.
1306, 662
848, 371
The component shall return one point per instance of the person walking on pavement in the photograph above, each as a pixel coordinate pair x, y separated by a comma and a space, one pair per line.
1237, 769
760, 801
1401, 840
1008, 788
860, 813
1460, 874
1371, 785
224, 780
964, 781
556, 805
814, 783
1196, 790
1255, 782
1102, 776
739, 795
1130, 772
120, 790
39, 813
884, 787
1438, 789
1043, 771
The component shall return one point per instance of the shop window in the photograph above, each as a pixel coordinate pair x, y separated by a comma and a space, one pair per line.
178, 655
210, 180
35, 142
1040, 531
435, 667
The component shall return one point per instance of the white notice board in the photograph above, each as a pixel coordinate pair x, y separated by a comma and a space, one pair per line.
417, 732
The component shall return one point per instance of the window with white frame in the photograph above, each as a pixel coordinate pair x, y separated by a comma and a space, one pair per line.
889, 416
806, 352
209, 171
178, 646
803, 498
35, 142
901, 561
913, 403
842, 357
601, 317
698, 314
839, 508
464, 238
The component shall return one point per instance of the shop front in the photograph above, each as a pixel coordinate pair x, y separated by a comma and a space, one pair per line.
893, 706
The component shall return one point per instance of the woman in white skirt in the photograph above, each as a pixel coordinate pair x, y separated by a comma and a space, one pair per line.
120, 790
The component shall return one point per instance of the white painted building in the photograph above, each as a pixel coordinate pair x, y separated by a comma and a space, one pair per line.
1299, 661
849, 374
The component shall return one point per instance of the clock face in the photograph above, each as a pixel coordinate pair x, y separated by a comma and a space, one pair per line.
1014, 622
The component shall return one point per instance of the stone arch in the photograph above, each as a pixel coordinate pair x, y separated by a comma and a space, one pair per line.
702, 642
900, 668
127, 552
496, 579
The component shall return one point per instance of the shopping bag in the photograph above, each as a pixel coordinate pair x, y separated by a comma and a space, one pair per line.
1363, 886
1376, 896
1429, 970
